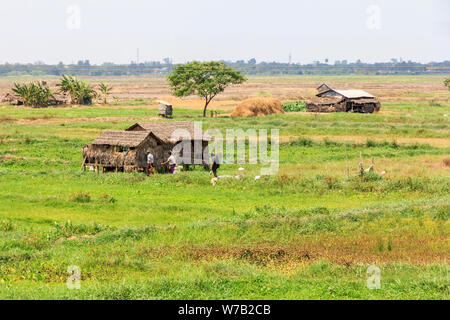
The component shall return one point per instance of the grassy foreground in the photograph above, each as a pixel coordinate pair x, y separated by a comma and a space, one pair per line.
310, 232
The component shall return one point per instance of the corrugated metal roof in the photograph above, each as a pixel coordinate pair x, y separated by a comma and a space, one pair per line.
353, 93
164, 102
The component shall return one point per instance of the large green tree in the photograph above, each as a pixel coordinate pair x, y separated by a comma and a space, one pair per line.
204, 79
447, 83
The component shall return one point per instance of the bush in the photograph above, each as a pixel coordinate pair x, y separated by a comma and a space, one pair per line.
295, 106
106, 198
67, 228
33, 94
80, 197
79, 91
302, 142
6, 225
442, 213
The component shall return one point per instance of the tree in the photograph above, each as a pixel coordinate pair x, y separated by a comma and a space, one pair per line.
33, 94
105, 90
79, 91
205, 79
447, 83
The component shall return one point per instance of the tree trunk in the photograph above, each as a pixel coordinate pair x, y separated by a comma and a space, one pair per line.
206, 106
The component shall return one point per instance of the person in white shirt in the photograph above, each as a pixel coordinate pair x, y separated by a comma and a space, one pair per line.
171, 161
150, 161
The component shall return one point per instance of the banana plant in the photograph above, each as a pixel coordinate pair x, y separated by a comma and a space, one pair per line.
105, 90
79, 91
33, 94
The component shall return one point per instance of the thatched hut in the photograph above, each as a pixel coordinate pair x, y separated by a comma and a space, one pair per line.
174, 135
126, 150
334, 100
117, 150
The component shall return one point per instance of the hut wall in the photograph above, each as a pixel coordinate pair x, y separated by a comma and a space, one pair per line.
196, 155
107, 156
363, 105
329, 107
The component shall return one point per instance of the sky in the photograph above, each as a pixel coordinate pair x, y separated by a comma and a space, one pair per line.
186, 30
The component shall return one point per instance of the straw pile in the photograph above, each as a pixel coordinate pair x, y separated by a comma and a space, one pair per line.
255, 107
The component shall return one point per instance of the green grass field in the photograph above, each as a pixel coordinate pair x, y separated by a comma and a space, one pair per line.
309, 232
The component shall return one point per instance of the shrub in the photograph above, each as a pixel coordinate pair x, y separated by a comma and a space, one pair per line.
79, 91
370, 176
295, 106
6, 225
330, 143
33, 94
332, 182
80, 197
68, 228
442, 213
107, 198
302, 142
446, 162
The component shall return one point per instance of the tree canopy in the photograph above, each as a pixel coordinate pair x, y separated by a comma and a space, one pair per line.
204, 79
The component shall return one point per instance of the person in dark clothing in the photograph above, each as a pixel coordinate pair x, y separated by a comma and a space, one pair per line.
215, 164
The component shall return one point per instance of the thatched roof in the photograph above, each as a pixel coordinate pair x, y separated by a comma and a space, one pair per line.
121, 138
165, 130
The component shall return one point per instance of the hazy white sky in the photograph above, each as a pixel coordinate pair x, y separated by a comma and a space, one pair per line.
268, 30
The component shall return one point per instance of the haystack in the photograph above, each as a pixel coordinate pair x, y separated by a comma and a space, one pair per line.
255, 107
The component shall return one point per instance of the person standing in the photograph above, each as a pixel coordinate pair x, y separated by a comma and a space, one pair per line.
150, 162
215, 163
171, 161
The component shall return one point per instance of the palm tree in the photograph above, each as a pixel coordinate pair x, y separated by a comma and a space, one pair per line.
33, 94
79, 91
105, 90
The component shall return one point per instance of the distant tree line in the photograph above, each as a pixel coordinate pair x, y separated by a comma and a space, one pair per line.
250, 67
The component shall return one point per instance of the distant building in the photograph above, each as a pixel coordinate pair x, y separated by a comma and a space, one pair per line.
336, 100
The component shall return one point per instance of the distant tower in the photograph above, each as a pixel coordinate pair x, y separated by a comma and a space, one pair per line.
290, 58
137, 56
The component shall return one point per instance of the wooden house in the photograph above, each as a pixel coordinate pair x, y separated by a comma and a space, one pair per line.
334, 100
126, 151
